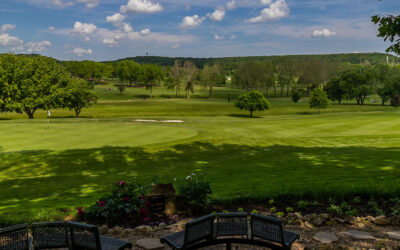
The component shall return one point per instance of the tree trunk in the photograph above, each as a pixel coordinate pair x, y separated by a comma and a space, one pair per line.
29, 112
187, 94
383, 102
282, 88
275, 91
211, 92
251, 114
77, 112
340, 100
176, 92
151, 90
287, 90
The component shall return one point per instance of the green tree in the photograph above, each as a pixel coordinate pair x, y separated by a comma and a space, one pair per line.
389, 29
252, 101
190, 77
336, 90
319, 99
395, 101
78, 95
121, 88
209, 77
151, 75
296, 96
128, 70
30, 83
174, 81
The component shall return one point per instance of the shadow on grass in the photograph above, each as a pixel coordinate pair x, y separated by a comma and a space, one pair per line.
244, 116
45, 180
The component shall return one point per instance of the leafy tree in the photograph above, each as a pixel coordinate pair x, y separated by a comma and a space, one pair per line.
319, 99
121, 88
128, 70
190, 77
151, 75
296, 96
389, 29
78, 95
395, 101
30, 83
174, 81
252, 101
209, 77
336, 90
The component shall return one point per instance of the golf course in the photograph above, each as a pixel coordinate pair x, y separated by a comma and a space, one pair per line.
51, 166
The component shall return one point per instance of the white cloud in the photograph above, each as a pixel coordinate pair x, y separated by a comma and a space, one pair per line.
217, 15
61, 4
89, 3
51, 28
110, 42
265, 2
141, 6
37, 46
275, 11
231, 5
6, 27
175, 46
117, 18
218, 37
191, 22
323, 33
6, 40
126, 27
81, 52
232, 37
87, 39
145, 32
84, 28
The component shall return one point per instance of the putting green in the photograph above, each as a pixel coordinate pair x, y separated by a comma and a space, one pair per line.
21, 136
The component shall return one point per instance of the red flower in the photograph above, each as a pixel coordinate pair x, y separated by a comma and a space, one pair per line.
101, 203
122, 183
126, 199
146, 219
80, 212
143, 211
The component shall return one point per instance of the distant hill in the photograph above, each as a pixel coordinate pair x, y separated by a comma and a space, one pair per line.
353, 58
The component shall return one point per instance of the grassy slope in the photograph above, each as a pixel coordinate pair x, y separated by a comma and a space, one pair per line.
289, 150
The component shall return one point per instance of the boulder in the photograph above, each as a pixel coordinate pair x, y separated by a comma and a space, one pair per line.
163, 225
319, 221
144, 229
325, 237
395, 235
149, 244
381, 220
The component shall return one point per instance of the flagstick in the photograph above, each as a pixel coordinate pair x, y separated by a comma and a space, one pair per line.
48, 119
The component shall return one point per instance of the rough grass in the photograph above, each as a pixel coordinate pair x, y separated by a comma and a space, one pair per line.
289, 151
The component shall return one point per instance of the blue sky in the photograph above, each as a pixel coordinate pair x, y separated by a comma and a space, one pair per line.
113, 29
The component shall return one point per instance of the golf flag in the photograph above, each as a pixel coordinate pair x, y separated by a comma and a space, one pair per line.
48, 113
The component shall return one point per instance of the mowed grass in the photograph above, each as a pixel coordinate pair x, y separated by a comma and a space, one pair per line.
289, 151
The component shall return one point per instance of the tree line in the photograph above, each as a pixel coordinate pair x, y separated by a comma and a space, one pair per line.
31, 83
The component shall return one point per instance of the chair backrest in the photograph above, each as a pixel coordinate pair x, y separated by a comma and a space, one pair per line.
15, 238
267, 228
199, 229
84, 236
50, 235
232, 224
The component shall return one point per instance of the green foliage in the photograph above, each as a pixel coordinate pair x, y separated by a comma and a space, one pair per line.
395, 101
210, 77
122, 203
195, 190
280, 214
389, 30
254, 211
334, 209
77, 95
151, 76
272, 210
252, 101
353, 212
336, 90
128, 71
121, 88
271, 201
373, 206
289, 209
240, 209
319, 99
357, 200
296, 96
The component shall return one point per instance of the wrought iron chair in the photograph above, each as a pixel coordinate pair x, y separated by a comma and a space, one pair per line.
50, 235
14, 238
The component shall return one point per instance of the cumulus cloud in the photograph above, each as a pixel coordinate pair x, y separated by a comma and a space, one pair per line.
61, 4
275, 11
81, 51
141, 6
218, 37
191, 22
231, 5
51, 28
232, 37
84, 28
37, 46
89, 3
265, 2
110, 42
217, 15
126, 27
7, 41
117, 18
145, 32
323, 33
6, 27
175, 46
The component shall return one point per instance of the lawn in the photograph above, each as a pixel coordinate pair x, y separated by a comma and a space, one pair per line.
48, 169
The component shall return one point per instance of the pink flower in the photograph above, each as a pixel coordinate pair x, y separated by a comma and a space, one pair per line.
80, 212
126, 199
122, 183
146, 219
101, 203
143, 211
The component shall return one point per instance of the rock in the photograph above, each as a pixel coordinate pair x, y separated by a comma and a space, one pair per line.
394, 235
370, 218
381, 220
149, 243
341, 221
325, 237
395, 220
298, 216
163, 225
325, 216
359, 235
103, 229
144, 229
319, 221
331, 222
308, 224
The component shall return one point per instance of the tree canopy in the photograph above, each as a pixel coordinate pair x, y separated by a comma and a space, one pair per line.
252, 101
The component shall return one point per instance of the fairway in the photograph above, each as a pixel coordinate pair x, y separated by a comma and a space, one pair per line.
290, 150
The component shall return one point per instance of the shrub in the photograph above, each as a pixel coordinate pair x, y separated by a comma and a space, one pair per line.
272, 210
124, 202
254, 211
240, 209
289, 209
196, 192
296, 96
319, 100
280, 214
252, 101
